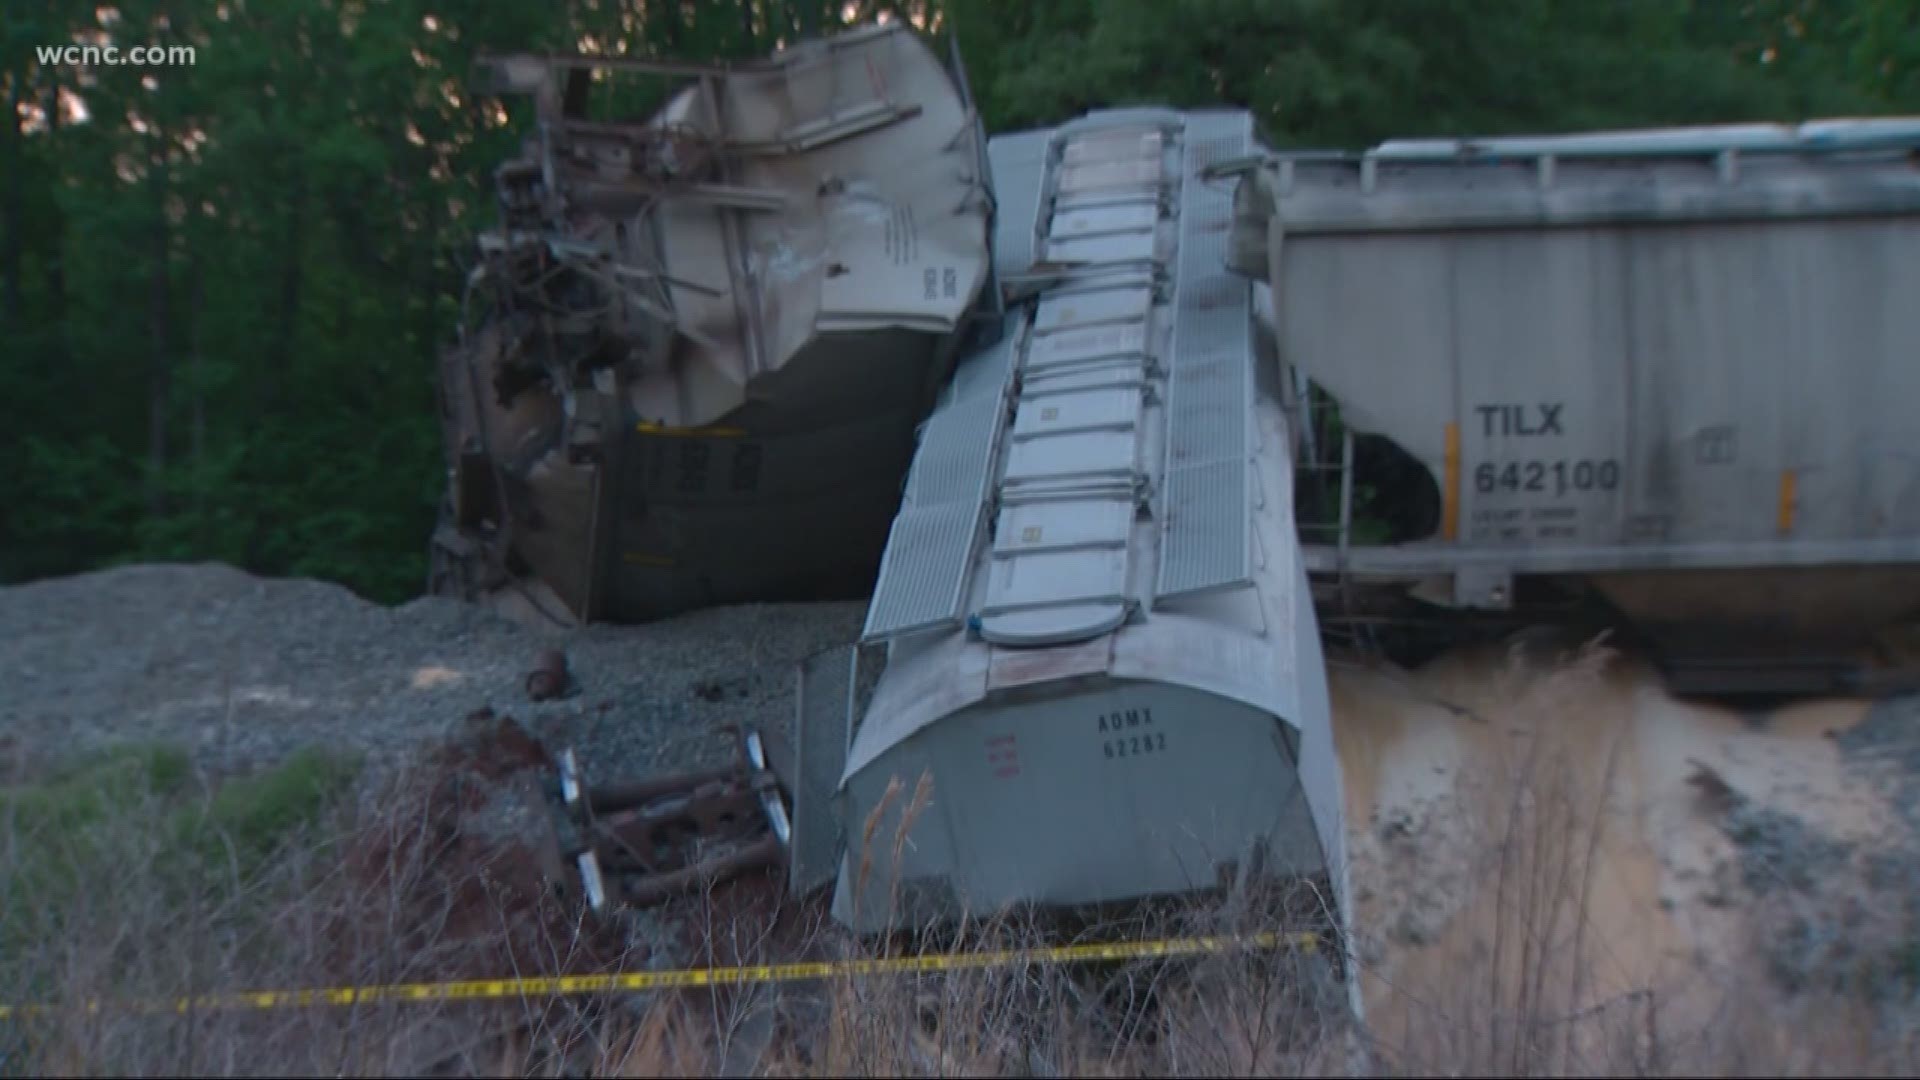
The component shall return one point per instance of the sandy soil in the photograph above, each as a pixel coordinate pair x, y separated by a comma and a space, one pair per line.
1547, 839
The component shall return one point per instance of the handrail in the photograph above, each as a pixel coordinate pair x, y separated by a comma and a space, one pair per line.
1651, 144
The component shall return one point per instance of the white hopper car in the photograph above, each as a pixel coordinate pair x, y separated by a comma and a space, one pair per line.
706, 335
1669, 375
1099, 643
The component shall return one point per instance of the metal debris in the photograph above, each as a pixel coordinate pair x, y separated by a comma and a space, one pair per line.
550, 679
642, 843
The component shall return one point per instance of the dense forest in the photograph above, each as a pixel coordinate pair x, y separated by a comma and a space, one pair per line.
223, 284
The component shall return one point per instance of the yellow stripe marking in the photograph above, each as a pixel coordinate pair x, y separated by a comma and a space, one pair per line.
1450, 514
494, 989
1789, 480
648, 427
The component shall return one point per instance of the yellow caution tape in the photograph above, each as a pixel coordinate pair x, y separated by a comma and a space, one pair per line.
708, 431
493, 989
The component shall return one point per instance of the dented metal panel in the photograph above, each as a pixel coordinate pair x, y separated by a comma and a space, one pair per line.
705, 337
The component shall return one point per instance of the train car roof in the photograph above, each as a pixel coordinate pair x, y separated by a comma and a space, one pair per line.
1120, 493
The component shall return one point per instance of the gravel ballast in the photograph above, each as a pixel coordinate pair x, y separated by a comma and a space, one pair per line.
242, 670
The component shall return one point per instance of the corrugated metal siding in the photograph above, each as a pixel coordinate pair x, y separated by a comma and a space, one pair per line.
1207, 556
822, 735
1206, 539
929, 555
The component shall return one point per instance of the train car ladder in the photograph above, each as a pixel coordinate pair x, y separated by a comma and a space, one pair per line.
1324, 473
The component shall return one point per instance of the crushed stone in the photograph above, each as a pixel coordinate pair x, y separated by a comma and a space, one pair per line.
1780, 850
242, 671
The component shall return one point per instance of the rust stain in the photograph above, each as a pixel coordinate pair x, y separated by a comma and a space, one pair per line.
550, 678
1789, 481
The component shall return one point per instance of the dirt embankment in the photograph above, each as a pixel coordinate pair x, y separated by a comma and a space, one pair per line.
1566, 843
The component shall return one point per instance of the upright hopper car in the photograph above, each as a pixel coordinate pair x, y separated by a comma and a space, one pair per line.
1670, 376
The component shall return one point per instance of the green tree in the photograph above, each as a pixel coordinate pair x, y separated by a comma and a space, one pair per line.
223, 286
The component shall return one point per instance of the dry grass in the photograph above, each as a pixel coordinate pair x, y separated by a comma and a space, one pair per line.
1537, 974
1521, 1006
381, 891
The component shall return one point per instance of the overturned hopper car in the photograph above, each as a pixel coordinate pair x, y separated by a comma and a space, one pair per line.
1670, 375
701, 341
1091, 629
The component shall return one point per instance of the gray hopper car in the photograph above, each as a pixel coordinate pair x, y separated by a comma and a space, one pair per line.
1099, 642
1677, 371
1096, 629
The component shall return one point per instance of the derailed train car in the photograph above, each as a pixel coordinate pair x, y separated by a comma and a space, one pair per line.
1093, 634
1565, 366
1671, 375
705, 338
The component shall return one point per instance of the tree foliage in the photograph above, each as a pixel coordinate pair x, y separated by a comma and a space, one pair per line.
223, 285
